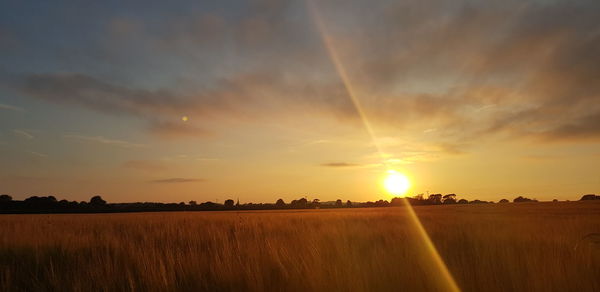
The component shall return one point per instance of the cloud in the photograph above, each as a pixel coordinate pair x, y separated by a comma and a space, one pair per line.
584, 128
145, 165
11, 107
241, 97
106, 141
89, 92
339, 164
469, 70
177, 180
38, 154
178, 129
23, 134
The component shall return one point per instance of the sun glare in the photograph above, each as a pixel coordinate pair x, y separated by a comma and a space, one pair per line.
396, 183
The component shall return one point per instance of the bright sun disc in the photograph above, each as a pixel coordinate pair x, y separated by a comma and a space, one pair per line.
396, 183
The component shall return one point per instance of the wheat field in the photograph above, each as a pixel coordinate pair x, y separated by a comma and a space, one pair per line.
496, 247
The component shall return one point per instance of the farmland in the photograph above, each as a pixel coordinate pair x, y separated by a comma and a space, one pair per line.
489, 247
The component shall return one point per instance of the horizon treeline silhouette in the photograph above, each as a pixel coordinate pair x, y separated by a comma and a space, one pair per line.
49, 204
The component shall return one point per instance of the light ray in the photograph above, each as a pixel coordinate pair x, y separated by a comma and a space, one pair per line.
333, 56
449, 282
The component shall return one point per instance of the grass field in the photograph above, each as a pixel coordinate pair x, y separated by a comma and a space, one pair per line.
496, 247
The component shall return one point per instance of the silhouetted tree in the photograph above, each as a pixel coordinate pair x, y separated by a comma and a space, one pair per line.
521, 199
503, 201
229, 203
301, 203
316, 203
589, 197
449, 199
463, 201
193, 203
280, 203
348, 204
435, 199
396, 201
97, 201
338, 203
5, 198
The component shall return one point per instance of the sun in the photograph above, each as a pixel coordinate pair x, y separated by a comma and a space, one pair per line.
396, 183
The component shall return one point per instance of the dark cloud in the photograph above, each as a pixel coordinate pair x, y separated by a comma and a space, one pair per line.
177, 180
584, 128
86, 91
471, 70
238, 98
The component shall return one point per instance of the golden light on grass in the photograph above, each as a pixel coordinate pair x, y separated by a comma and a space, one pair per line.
396, 183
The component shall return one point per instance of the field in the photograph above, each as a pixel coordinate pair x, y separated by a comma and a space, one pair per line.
496, 247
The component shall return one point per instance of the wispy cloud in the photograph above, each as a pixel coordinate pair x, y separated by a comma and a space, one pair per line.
178, 129
11, 107
145, 165
38, 154
178, 180
106, 141
23, 134
340, 164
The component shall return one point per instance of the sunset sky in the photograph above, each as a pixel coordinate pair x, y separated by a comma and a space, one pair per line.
209, 100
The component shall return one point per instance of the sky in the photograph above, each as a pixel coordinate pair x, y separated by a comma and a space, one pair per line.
257, 100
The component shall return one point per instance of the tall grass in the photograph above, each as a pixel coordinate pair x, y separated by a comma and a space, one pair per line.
501, 247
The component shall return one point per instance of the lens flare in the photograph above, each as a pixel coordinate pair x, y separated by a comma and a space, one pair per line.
447, 282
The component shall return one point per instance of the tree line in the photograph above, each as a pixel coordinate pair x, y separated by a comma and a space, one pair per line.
49, 204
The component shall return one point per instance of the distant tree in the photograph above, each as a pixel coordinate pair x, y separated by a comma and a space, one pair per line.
589, 197
348, 204
229, 203
463, 201
521, 199
96, 201
338, 203
300, 203
449, 199
5, 198
396, 201
280, 203
555, 201
193, 203
503, 201
209, 206
435, 199
316, 203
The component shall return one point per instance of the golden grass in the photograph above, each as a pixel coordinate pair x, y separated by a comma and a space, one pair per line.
501, 247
